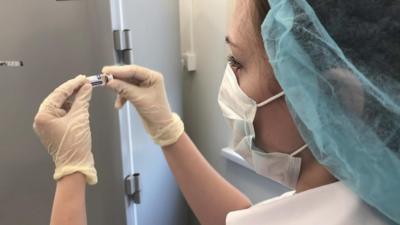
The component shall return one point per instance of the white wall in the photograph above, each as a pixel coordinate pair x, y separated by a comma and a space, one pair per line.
202, 116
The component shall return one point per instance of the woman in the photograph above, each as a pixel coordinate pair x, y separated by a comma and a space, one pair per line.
277, 151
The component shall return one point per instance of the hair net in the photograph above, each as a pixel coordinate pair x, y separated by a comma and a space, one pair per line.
348, 113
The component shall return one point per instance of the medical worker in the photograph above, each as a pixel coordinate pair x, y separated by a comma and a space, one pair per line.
306, 109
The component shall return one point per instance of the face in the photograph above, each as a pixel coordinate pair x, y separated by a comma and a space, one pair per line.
248, 58
275, 130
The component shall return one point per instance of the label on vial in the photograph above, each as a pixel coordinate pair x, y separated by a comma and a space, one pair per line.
96, 80
99, 79
97, 83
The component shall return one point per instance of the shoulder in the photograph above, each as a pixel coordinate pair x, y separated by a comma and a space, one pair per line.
312, 207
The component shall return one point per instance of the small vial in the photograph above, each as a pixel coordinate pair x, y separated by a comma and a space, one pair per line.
99, 80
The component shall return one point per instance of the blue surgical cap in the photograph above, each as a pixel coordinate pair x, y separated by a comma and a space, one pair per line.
347, 112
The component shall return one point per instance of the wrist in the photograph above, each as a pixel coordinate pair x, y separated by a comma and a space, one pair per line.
77, 178
89, 173
170, 132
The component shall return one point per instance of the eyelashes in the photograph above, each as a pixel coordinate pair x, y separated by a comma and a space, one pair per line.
235, 64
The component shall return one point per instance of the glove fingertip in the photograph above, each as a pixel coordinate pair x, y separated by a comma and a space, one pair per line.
84, 92
81, 77
87, 87
118, 104
106, 69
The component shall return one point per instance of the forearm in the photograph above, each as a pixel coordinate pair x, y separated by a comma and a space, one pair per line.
69, 206
209, 195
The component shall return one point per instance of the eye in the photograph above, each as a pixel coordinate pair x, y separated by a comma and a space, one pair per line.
234, 63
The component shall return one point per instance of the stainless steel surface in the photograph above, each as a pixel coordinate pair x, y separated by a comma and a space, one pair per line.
127, 53
119, 40
127, 57
123, 46
128, 38
133, 187
56, 41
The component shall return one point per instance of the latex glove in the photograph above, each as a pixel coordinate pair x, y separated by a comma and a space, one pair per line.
144, 88
63, 128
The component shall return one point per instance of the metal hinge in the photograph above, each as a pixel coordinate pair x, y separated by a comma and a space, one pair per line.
123, 46
132, 187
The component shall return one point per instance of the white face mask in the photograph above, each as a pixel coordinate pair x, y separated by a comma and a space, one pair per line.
240, 111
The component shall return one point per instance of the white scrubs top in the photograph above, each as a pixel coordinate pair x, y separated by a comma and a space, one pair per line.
332, 204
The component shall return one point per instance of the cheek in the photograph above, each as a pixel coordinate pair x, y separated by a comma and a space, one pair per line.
259, 82
249, 85
255, 84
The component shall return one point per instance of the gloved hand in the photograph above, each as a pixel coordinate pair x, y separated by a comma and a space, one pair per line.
63, 128
144, 88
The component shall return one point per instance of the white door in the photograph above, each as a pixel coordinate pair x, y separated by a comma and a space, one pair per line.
155, 44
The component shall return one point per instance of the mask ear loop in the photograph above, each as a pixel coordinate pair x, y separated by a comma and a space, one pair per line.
273, 98
299, 150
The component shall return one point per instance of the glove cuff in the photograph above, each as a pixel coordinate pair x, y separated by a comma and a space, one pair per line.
170, 133
90, 173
